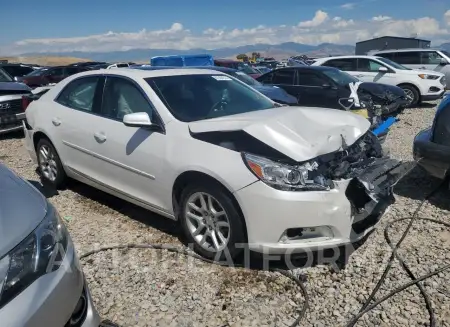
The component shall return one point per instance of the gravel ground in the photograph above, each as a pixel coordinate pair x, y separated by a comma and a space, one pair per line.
156, 288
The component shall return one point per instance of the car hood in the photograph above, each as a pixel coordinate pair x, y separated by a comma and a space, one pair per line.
14, 86
301, 133
275, 93
378, 88
420, 71
22, 208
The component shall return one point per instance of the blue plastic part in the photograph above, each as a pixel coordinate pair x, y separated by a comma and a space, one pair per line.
183, 60
384, 127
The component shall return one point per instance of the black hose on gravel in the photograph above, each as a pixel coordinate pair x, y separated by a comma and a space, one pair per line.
184, 251
368, 305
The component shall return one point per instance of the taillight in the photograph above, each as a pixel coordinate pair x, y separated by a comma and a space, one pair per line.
25, 102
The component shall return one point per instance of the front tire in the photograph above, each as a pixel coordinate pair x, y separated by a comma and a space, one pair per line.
412, 95
49, 164
211, 222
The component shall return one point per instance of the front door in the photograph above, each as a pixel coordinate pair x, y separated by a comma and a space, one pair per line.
315, 90
131, 158
369, 71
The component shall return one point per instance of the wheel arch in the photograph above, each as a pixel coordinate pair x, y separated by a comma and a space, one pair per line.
412, 85
196, 176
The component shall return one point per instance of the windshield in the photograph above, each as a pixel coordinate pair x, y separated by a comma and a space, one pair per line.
198, 97
246, 68
340, 77
243, 77
37, 72
446, 53
392, 63
4, 77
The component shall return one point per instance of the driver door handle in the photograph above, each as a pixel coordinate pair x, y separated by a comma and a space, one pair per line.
100, 137
56, 121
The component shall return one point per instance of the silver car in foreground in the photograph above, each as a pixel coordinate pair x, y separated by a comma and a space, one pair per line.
41, 281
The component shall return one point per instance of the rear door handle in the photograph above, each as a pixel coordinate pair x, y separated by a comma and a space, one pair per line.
100, 137
56, 121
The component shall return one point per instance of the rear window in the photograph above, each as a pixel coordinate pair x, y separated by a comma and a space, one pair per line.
18, 70
203, 96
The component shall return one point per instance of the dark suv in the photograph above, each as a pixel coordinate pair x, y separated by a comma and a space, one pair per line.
51, 75
16, 70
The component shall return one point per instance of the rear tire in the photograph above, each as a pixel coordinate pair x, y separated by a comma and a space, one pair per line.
412, 94
49, 164
205, 226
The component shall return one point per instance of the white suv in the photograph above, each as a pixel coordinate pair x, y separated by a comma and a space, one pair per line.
431, 59
419, 85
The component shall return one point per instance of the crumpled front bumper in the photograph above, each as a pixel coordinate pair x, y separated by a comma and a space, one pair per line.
339, 216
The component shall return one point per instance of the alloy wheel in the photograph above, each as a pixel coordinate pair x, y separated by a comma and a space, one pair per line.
47, 163
207, 222
409, 96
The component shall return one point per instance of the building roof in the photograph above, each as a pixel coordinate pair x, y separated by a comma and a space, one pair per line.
394, 37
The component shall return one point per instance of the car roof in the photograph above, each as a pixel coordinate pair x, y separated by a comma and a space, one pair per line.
346, 57
143, 73
318, 68
404, 50
216, 68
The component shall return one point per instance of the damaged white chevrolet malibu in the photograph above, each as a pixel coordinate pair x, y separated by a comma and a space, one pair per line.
198, 146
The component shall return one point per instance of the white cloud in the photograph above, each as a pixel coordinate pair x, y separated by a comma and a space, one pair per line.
348, 6
319, 18
320, 29
447, 17
381, 18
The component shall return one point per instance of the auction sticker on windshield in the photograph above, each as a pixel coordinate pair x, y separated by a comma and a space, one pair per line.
241, 73
222, 78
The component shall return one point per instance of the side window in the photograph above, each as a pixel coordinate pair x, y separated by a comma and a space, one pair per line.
71, 71
310, 79
367, 65
389, 55
283, 76
54, 72
79, 94
430, 58
122, 97
347, 64
266, 78
408, 58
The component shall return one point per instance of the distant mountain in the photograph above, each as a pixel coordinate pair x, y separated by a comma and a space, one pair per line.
279, 51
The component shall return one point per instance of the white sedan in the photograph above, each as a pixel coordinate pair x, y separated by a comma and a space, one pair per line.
198, 146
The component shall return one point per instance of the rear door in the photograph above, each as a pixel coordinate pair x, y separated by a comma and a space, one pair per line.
285, 79
348, 65
73, 118
410, 59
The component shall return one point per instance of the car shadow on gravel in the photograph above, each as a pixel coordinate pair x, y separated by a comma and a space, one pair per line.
417, 184
104, 203
17, 135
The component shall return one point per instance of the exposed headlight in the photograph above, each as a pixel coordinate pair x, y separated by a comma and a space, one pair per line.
286, 177
427, 76
42, 252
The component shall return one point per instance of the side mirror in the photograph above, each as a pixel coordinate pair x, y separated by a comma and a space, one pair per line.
137, 119
443, 62
383, 69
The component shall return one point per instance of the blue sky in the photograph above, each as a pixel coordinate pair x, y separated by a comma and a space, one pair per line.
56, 19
